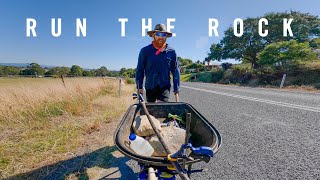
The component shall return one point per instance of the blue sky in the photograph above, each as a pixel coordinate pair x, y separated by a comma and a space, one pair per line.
104, 45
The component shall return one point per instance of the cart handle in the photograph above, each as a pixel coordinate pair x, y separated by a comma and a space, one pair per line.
140, 97
181, 172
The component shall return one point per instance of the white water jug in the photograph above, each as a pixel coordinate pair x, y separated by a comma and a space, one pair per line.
140, 145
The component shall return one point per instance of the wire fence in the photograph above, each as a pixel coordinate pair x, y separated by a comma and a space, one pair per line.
119, 78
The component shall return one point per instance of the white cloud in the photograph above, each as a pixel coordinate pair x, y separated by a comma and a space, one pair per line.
202, 42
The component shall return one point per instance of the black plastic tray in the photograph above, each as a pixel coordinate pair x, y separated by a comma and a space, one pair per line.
202, 131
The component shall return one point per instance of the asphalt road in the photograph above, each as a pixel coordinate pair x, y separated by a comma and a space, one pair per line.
267, 133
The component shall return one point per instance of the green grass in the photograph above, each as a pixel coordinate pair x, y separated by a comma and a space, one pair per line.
187, 77
208, 76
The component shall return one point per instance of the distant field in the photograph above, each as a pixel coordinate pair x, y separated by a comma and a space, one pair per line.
41, 118
20, 81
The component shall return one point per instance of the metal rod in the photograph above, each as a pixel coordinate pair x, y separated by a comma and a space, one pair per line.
181, 174
186, 141
155, 128
189, 169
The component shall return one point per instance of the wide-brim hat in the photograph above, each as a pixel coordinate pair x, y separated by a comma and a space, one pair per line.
159, 28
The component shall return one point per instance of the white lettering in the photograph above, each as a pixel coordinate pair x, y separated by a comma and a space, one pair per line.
235, 27
81, 27
145, 27
213, 28
287, 27
31, 28
169, 26
123, 26
53, 27
265, 21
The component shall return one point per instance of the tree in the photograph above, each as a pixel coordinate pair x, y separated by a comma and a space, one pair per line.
102, 71
315, 43
33, 69
226, 65
9, 70
286, 52
215, 52
184, 62
76, 70
247, 47
58, 71
207, 60
129, 73
87, 73
64, 71
122, 71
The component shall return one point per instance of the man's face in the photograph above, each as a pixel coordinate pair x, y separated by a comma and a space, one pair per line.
160, 37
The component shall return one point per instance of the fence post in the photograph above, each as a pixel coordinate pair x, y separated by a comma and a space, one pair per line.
63, 81
120, 82
103, 80
283, 79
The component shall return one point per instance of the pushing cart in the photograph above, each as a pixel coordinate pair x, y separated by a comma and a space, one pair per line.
202, 141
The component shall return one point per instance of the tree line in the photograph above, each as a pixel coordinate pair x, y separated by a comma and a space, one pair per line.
36, 70
274, 49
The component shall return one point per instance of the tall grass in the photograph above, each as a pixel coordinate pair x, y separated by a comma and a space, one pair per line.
41, 119
31, 100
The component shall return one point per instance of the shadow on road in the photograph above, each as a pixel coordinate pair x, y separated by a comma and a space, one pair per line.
99, 164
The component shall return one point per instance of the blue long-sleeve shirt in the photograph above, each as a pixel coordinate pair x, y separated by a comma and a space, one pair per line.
157, 68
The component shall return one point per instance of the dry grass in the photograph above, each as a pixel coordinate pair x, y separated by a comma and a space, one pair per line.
27, 99
302, 88
41, 120
313, 64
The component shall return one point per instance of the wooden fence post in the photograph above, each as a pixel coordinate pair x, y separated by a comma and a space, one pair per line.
63, 81
120, 82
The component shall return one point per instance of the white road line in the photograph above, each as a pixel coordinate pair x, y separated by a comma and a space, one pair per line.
307, 108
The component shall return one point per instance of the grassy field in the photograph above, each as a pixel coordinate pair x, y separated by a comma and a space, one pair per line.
43, 119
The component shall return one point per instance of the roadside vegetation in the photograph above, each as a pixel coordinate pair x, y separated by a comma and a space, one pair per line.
264, 60
43, 119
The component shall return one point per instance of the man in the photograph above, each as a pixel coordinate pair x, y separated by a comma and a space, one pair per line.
155, 62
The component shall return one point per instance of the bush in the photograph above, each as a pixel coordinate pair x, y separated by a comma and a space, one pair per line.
204, 77
216, 75
317, 86
242, 68
130, 80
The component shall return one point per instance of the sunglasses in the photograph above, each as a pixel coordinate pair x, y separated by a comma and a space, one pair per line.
161, 34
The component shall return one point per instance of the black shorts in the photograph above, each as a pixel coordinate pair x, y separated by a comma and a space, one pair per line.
157, 94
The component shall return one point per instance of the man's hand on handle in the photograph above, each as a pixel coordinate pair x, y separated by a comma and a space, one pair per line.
141, 91
176, 94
